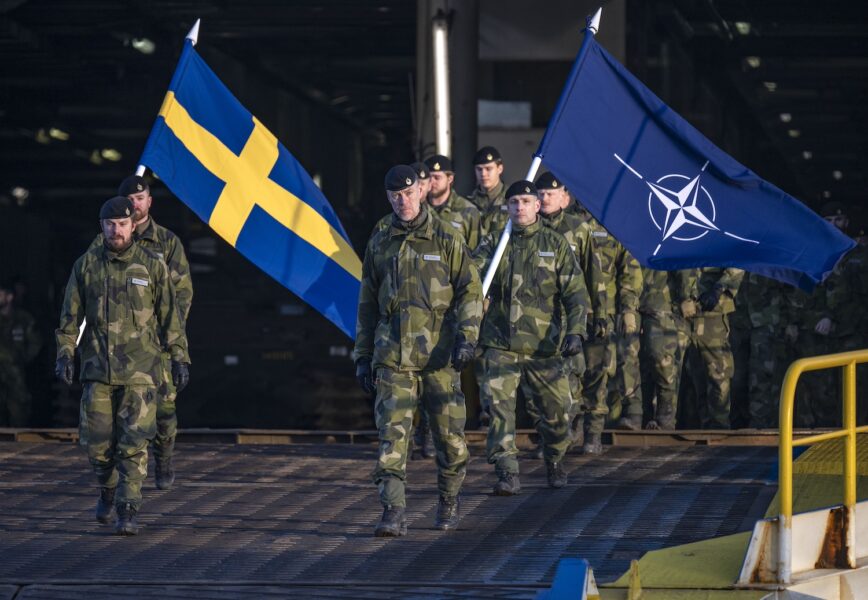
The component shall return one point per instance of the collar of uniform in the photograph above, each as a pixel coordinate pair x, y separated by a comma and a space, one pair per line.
147, 230
554, 219
123, 256
421, 225
493, 193
528, 230
450, 202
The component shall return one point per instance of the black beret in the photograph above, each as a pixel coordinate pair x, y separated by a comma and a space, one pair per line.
833, 209
132, 185
521, 188
421, 170
400, 177
438, 163
486, 154
548, 181
118, 207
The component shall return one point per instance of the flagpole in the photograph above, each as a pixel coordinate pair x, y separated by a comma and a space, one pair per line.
193, 36
592, 25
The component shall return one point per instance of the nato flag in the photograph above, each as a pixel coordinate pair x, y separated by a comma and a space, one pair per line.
673, 198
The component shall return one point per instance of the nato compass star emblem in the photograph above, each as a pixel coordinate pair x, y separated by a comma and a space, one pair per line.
681, 207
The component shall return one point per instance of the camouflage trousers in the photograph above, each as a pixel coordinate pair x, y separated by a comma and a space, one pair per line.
624, 389
663, 344
398, 395
167, 418
601, 356
739, 341
14, 397
710, 368
115, 424
545, 385
766, 367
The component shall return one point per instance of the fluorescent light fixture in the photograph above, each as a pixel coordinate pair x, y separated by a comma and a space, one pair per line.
20, 193
743, 27
786, 117
42, 137
753, 62
111, 154
770, 85
827, 194
807, 154
143, 45
95, 157
794, 133
58, 134
837, 175
442, 114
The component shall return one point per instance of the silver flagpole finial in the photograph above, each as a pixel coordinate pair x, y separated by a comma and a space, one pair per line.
593, 23
193, 36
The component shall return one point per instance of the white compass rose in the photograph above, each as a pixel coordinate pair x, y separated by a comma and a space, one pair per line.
689, 207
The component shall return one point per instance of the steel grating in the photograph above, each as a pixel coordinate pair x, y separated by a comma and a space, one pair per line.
291, 516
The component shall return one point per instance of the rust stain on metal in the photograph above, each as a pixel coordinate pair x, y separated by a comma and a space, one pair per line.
833, 554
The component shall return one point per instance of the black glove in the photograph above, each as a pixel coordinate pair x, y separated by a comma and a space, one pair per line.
365, 375
180, 375
64, 369
571, 345
601, 328
709, 299
462, 354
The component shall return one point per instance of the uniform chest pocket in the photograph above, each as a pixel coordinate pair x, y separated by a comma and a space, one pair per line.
544, 274
140, 297
432, 273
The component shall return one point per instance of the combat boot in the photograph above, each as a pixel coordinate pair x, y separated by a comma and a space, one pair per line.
555, 474
593, 444
126, 523
105, 506
630, 422
164, 473
507, 484
448, 515
393, 522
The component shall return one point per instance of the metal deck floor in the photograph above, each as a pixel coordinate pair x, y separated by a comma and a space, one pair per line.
296, 520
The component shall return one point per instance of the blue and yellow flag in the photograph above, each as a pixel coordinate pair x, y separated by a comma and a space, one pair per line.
232, 172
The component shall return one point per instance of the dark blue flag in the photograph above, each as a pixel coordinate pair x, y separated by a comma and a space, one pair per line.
673, 198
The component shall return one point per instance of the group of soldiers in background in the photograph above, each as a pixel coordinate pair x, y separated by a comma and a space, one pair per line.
573, 326
131, 292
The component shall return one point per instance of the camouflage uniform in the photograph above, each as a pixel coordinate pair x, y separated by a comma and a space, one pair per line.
484, 200
803, 313
167, 247
708, 352
765, 302
739, 342
419, 289
19, 345
460, 215
621, 282
493, 208
537, 296
578, 236
128, 301
662, 346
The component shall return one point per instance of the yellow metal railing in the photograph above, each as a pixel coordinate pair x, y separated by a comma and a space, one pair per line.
847, 360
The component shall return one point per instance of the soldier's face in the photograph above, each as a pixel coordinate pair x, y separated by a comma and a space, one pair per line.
839, 221
407, 202
441, 183
552, 200
141, 205
488, 175
523, 209
118, 233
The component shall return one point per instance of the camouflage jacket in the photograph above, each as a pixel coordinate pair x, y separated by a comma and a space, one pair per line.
621, 276
661, 293
847, 294
129, 304
20, 342
575, 208
697, 281
578, 235
763, 300
484, 200
494, 219
419, 288
167, 247
538, 290
460, 216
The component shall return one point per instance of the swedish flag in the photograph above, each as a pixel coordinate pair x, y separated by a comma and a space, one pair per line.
232, 172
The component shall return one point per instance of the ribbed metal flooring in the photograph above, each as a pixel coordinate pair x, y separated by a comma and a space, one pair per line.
275, 520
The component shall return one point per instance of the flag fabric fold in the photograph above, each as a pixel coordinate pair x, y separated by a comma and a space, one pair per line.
237, 177
666, 192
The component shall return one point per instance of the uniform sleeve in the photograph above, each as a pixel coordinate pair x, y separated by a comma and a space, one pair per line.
484, 252
369, 309
168, 315
473, 228
71, 315
629, 282
467, 292
686, 287
594, 274
730, 280
179, 273
574, 293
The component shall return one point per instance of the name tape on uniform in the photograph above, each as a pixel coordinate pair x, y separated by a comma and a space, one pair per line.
545, 254
600, 234
431, 257
137, 281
